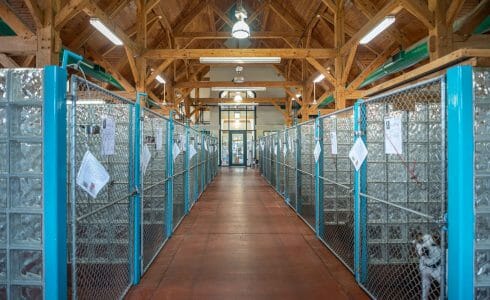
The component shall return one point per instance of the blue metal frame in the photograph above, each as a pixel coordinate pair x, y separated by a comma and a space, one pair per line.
169, 210
186, 170
136, 201
203, 163
299, 200
196, 173
278, 155
460, 174
360, 207
319, 213
54, 184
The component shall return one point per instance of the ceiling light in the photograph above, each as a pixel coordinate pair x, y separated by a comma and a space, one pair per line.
237, 115
319, 78
105, 31
238, 89
160, 79
238, 97
378, 29
240, 60
298, 95
240, 30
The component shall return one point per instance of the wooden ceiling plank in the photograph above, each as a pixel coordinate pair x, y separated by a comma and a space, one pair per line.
113, 9
293, 53
469, 22
320, 68
262, 9
286, 16
70, 10
7, 62
93, 10
419, 9
188, 16
391, 7
36, 12
453, 11
150, 5
380, 60
14, 22
220, 14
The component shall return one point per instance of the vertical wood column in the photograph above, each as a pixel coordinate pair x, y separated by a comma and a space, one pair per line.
339, 40
441, 37
141, 39
48, 38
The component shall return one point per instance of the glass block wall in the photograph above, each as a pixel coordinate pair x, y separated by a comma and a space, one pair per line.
21, 193
482, 182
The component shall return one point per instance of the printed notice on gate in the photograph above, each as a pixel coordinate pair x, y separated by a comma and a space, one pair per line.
92, 176
108, 136
317, 151
159, 139
333, 142
192, 151
393, 135
145, 158
358, 153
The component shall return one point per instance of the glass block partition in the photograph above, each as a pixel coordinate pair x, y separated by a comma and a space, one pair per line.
481, 90
21, 192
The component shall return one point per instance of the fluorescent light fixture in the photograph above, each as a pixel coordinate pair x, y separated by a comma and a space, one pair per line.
378, 29
238, 104
238, 89
160, 79
240, 60
319, 78
88, 102
105, 31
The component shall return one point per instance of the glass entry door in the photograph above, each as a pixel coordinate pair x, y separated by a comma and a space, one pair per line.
238, 148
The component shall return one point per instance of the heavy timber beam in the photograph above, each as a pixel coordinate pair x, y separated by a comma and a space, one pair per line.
226, 35
210, 84
17, 45
222, 100
419, 9
7, 62
293, 53
318, 66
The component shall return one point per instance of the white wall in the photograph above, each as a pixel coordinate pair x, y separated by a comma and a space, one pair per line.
268, 119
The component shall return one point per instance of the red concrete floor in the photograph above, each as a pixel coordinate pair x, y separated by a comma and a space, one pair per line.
241, 241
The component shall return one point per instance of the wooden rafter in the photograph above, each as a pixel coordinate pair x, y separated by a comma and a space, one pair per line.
14, 22
320, 68
36, 13
419, 9
161, 68
295, 53
7, 62
473, 19
348, 64
68, 11
453, 11
17, 45
188, 16
381, 59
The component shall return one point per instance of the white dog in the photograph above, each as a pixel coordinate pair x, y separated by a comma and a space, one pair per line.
430, 263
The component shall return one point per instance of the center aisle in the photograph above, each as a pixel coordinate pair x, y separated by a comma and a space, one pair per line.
241, 241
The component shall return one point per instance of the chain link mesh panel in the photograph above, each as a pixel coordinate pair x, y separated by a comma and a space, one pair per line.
100, 238
178, 176
338, 185
307, 172
194, 137
290, 162
280, 160
481, 78
154, 194
405, 194
21, 194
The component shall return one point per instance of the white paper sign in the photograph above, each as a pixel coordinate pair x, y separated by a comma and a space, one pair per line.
175, 151
159, 139
108, 136
285, 149
92, 176
358, 153
393, 135
333, 142
317, 151
262, 146
275, 150
145, 158
205, 146
192, 151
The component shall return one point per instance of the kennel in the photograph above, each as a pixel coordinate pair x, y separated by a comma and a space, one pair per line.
94, 243
416, 178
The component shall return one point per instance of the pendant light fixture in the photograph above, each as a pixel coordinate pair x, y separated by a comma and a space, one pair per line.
240, 30
238, 97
